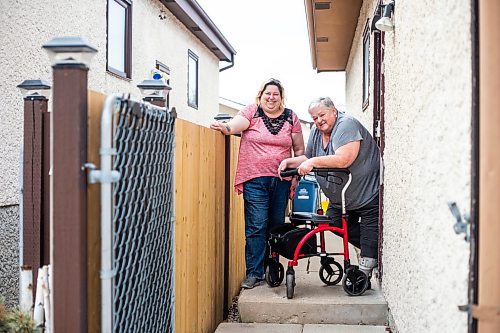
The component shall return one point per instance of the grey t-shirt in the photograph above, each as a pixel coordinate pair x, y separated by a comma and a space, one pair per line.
365, 168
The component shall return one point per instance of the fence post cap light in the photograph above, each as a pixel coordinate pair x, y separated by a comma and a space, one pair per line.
154, 89
34, 88
223, 117
385, 23
69, 50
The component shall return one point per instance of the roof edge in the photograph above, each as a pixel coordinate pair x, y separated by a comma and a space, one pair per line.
310, 29
189, 12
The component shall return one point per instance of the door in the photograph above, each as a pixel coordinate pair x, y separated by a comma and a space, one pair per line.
487, 310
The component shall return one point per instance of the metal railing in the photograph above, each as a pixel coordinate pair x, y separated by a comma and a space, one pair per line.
137, 217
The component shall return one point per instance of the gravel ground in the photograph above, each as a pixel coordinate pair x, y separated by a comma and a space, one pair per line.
233, 314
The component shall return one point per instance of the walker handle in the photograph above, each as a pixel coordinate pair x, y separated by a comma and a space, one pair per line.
344, 170
289, 172
295, 172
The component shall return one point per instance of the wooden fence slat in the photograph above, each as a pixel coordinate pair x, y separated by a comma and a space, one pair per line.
95, 105
200, 231
237, 229
219, 175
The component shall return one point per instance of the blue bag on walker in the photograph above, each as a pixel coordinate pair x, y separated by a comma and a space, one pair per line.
306, 198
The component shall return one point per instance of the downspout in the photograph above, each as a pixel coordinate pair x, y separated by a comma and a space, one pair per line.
227, 222
107, 270
474, 209
227, 211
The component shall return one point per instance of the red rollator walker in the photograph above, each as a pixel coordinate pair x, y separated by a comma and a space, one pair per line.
298, 240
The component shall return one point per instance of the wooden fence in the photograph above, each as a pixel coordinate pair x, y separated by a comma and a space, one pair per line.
237, 228
200, 228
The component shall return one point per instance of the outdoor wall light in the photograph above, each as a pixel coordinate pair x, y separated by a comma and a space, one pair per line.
223, 117
154, 89
69, 50
385, 22
34, 89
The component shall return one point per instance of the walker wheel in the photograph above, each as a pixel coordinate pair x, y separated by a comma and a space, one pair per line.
330, 271
274, 273
355, 281
290, 283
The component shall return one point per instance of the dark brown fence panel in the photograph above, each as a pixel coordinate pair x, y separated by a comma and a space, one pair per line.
69, 259
35, 184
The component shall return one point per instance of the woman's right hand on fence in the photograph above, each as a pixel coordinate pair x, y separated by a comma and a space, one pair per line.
221, 127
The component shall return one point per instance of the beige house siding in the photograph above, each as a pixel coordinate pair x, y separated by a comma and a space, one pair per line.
427, 158
166, 40
27, 25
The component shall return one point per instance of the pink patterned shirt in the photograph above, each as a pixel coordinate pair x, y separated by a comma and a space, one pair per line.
260, 151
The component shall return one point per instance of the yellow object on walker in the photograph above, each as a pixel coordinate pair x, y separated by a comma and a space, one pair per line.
324, 205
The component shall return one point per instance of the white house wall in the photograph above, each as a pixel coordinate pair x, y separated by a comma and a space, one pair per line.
27, 25
427, 158
354, 83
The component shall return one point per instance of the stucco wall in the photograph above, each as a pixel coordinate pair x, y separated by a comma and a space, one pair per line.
27, 25
427, 159
354, 72
9, 254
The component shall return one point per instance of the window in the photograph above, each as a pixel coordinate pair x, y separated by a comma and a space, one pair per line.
119, 48
366, 65
192, 79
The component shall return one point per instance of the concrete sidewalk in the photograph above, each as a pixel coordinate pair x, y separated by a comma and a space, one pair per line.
315, 307
313, 302
296, 328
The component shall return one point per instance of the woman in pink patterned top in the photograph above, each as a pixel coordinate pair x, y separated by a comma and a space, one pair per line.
269, 133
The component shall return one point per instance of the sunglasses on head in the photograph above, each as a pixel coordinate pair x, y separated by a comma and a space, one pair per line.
273, 81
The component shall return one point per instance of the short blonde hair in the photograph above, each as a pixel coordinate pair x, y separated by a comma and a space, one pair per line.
271, 82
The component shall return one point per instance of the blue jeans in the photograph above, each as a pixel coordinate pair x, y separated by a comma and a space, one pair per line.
265, 201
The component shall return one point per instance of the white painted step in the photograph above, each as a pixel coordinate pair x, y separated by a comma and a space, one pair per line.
296, 328
313, 302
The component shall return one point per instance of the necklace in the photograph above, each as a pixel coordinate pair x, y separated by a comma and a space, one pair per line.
274, 125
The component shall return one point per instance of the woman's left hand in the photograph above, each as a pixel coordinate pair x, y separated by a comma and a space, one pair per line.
305, 167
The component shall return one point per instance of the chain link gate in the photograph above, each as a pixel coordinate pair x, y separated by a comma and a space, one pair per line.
138, 278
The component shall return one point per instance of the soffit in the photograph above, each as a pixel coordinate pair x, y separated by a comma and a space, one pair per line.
199, 23
331, 26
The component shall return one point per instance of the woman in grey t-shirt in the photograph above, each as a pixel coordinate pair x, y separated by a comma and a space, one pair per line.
340, 141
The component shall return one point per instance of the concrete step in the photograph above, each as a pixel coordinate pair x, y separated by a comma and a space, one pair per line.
313, 302
296, 328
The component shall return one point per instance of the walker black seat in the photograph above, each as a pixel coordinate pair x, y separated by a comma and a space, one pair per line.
284, 239
304, 217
